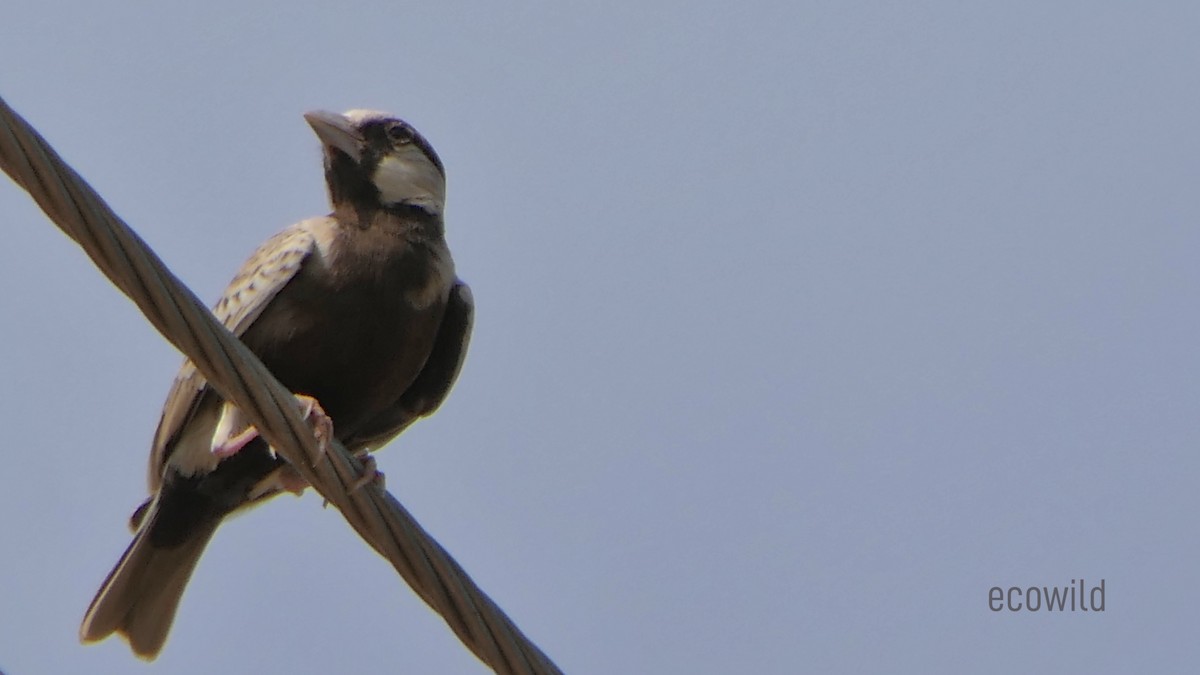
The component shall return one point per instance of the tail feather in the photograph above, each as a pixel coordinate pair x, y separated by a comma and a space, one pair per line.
139, 598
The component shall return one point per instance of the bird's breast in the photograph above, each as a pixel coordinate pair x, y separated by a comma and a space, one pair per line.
355, 331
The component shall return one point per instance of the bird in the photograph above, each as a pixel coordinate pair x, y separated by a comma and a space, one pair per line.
359, 313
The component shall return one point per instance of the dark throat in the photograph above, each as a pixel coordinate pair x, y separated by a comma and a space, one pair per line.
349, 183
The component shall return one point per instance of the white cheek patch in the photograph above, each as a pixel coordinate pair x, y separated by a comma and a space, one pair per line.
409, 176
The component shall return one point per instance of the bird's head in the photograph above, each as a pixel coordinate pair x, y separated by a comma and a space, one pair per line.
376, 161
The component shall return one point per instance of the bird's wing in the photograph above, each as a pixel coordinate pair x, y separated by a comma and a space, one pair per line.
433, 383
258, 281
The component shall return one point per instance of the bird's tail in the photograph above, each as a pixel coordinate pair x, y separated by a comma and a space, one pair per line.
139, 597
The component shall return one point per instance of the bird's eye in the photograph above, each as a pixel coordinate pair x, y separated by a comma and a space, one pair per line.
400, 133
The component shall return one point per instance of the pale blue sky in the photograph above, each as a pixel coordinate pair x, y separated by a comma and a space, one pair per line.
800, 325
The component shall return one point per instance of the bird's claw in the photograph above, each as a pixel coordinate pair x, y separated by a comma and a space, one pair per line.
227, 444
371, 475
291, 481
230, 446
316, 416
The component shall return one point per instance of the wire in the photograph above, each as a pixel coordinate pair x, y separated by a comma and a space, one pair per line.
241, 378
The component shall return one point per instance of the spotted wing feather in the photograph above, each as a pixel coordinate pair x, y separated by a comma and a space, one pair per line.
258, 281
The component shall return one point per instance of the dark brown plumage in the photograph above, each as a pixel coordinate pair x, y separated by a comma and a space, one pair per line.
360, 310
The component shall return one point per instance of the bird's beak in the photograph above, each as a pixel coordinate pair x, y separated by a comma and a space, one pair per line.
336, 131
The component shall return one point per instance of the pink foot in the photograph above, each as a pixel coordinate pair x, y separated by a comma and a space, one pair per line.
227, 444
231, 446
291, 481
315, 415
371, 475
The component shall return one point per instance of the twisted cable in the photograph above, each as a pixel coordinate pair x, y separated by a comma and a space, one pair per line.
241, 378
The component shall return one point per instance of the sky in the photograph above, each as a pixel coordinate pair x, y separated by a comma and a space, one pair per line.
800, 326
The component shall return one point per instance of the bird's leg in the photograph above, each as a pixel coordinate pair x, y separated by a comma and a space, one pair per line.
227, 443
291, 481
288, 478
282, 478
371, 475
232, 433
321, 424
